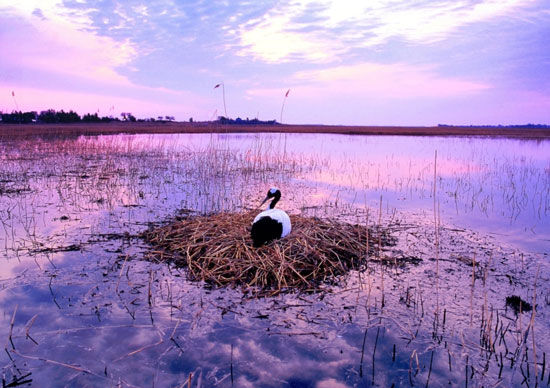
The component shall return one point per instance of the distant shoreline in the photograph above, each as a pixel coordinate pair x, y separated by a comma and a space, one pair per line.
16, 130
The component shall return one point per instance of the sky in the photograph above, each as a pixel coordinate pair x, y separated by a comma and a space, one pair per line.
345, 62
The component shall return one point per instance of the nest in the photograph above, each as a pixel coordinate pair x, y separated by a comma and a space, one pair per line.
217, 249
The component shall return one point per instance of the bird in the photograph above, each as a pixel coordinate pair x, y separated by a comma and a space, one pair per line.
272, 223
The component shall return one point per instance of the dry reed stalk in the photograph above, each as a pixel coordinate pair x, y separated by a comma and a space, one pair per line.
532, 323
231, 364
58, 363
218, 249
379, 226
141, 349
11, 326
121, 270
472, 289
436, 225
28, 328
362, 353
430, 370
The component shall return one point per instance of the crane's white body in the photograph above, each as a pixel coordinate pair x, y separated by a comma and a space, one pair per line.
277, 215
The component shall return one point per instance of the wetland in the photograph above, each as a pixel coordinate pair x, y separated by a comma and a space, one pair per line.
85, 300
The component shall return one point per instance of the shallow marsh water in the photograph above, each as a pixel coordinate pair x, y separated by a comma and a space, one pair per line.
80, 305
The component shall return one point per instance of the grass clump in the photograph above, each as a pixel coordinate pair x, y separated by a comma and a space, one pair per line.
217, 249
517, 304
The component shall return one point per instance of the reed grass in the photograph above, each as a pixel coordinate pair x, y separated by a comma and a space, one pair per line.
217, 249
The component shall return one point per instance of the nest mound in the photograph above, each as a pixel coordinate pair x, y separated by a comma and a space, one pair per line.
218, 249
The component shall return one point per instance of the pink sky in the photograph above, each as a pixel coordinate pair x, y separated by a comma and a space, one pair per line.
378, 63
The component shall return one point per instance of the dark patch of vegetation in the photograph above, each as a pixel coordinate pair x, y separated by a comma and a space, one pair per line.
68, 248
19, 117
5, 190
239, 121
52, 116
17, 381
497, 126
517, 304
89, 118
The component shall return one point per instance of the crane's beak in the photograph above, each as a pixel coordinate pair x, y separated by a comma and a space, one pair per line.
264, 201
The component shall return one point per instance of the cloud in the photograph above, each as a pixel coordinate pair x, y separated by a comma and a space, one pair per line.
54, 62
271, 43
336, 53
276, 37
53, 10
58, 46
374, 80
429, 22
322, 30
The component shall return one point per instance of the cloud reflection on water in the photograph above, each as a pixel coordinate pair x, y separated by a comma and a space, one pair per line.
93, 305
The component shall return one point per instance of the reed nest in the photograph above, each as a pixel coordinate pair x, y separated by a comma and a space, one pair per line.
217, 249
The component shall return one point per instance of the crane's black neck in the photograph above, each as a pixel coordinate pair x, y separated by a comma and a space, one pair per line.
275, 199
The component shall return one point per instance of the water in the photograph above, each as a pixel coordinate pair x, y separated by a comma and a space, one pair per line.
87, 309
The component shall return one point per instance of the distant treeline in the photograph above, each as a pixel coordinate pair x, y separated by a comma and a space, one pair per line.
497, 126
51, 116
239, 121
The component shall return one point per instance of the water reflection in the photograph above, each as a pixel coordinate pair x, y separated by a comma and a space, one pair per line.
86, 310
497, 185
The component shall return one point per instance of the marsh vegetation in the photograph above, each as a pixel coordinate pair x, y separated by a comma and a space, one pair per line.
83, 304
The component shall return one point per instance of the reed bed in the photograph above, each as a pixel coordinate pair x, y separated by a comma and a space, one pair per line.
218, 250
